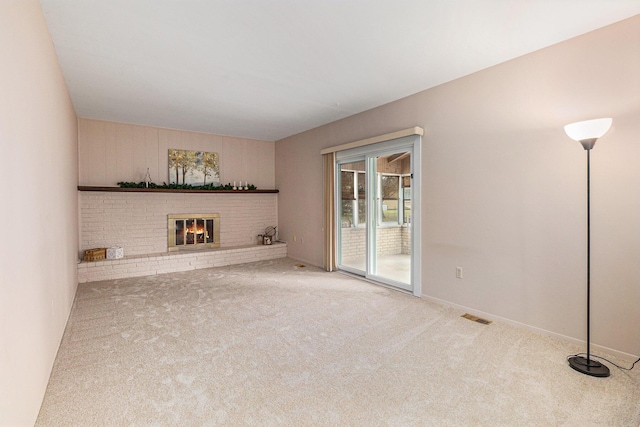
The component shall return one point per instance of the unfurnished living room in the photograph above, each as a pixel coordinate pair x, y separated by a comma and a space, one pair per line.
320, 213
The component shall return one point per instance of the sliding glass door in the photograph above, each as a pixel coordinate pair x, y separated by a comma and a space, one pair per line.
374, 205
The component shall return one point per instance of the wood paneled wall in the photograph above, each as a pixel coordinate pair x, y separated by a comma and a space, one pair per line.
110, 152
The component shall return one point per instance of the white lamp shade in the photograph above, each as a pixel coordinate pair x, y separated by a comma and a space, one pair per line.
589, 129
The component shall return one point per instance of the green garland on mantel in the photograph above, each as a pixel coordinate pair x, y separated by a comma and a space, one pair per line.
143, 184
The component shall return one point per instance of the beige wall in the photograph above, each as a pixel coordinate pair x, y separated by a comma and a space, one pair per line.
504, 187
110, 152
38, 140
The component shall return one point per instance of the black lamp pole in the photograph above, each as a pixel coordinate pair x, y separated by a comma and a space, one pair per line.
581, 364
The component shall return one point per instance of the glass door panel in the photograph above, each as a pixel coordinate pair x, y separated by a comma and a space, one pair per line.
352, 209
391, 236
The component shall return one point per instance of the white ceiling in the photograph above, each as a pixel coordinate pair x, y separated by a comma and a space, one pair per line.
268, 69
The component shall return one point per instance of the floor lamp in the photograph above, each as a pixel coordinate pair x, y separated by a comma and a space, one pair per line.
587, 133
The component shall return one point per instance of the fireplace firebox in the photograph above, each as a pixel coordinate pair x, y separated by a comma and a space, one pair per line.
193, 231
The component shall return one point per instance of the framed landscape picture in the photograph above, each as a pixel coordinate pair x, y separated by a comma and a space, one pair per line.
193, 167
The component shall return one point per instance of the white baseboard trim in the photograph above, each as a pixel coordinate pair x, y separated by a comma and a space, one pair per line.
617, 353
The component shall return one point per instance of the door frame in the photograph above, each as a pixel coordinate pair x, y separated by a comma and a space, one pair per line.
412, 144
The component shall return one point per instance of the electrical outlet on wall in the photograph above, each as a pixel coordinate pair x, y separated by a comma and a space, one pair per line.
458, 272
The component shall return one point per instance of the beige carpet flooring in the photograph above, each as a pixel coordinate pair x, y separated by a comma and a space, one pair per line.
271, 343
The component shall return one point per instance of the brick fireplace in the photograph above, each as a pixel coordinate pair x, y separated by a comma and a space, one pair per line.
138, 222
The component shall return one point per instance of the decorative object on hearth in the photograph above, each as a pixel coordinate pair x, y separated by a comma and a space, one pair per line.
587, 133
115, 252
269, 235
95, 254
194, 167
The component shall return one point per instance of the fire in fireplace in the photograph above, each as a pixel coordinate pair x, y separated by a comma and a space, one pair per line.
193, 231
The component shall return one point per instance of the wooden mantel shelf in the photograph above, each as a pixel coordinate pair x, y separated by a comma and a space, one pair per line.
170, 190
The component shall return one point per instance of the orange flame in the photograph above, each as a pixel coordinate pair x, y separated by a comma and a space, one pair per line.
199, 230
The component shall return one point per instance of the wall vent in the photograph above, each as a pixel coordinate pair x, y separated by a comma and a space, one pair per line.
476, 319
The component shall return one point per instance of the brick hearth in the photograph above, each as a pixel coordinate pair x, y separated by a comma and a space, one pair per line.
149, 265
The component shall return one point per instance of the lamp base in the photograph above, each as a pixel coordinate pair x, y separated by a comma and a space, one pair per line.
588, 367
